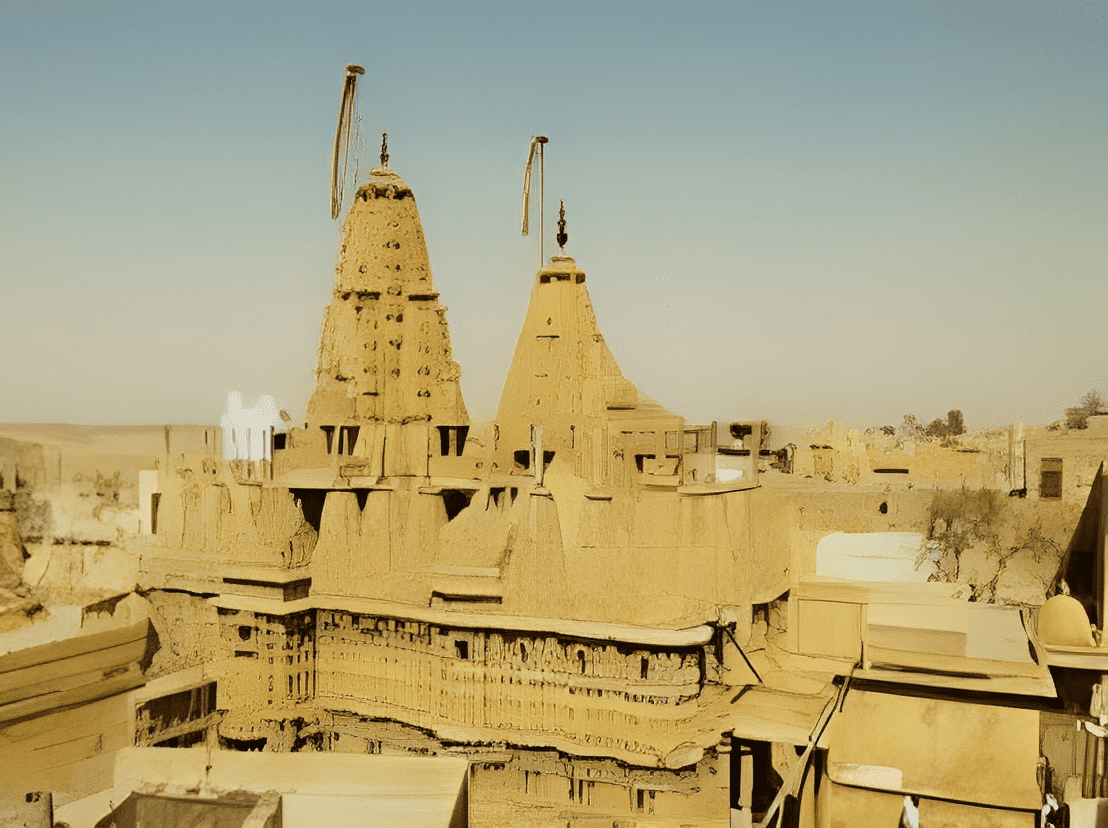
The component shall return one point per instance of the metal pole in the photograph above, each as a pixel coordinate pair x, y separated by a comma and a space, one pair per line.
542, 227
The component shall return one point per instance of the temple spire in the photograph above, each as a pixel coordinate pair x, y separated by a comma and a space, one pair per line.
563, 237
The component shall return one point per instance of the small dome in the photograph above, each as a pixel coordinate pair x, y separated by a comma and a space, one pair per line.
1063, 623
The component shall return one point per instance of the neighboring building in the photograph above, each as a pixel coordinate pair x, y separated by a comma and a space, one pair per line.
165, 787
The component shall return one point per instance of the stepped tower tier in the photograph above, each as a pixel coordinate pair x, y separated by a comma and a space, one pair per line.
385, 360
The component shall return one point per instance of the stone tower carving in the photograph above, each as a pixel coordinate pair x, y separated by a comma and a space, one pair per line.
386, 374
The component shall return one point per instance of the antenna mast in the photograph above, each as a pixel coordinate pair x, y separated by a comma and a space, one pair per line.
342, 138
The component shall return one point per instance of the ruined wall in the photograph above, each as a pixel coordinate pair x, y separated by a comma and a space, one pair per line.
75, 509
1041, 462
207, 519
1072, 455
187, 627
23, 473
12, 551
839, 454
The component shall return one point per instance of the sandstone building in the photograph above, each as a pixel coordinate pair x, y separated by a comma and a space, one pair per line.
616, 616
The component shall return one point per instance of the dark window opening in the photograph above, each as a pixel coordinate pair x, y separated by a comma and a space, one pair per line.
581, 660
1050, 478
280, 441
496, 497
522, 651
245, 654
329, 433
311, 502
251, 745
455, 500
883, 508
767, 782
165, 712
452, 440
348, 438
155, 501
890, 471
639, 459
547, 459
740, 431
462, 648
644, 667
522, 459
244, 632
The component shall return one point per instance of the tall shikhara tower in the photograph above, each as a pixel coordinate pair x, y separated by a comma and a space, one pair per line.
387, 385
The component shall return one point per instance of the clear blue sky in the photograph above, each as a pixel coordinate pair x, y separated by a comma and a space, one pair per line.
788, 211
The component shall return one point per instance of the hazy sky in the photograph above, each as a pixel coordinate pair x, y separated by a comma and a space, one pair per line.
786, 211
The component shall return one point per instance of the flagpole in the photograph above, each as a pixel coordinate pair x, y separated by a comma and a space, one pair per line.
528, 177
542, 225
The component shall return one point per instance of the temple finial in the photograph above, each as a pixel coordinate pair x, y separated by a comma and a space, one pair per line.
385, 150
563, 237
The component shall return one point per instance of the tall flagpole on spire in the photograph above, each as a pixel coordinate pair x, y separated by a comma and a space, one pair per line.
542, 204
342, 137
537, 141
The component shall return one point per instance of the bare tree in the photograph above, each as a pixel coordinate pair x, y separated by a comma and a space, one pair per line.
1078, 416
